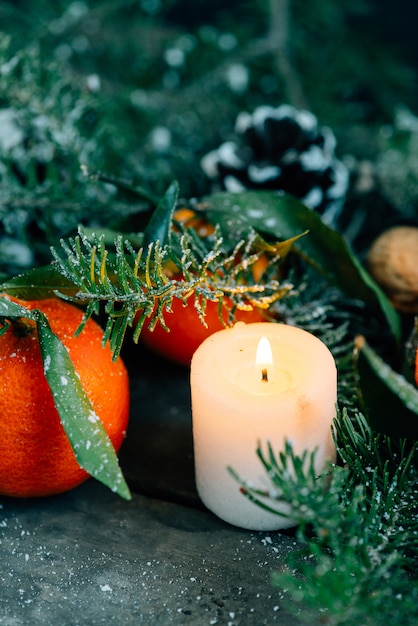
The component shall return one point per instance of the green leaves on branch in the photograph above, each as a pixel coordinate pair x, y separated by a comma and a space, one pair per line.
388, 400
92, 447
127, 272
285, 472
136, 285
130, 282
159, 226
357, 527
38, 284
281, 217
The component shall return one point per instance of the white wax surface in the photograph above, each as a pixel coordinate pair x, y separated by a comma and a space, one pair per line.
233, 409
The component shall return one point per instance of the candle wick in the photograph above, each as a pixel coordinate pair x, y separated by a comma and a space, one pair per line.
264, 376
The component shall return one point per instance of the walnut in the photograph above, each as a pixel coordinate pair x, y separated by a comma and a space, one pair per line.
393, 263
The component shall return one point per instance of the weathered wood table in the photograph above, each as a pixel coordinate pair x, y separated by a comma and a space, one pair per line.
88, 557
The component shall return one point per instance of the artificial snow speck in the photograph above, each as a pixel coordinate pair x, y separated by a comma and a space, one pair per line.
174, 57
282, 149
237, 77
160, 139
11, 134
227, 41
93, 83
15, 252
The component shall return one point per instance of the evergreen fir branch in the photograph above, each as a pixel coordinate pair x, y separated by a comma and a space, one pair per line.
358, 526
339, 591
135, 288
363, 450
322, 310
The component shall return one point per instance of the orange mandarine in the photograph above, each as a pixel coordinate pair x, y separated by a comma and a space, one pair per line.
187, 331
36, 458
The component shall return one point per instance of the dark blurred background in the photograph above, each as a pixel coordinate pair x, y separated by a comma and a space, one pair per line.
143, 89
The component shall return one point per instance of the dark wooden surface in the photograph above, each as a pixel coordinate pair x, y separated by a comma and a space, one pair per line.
88, 557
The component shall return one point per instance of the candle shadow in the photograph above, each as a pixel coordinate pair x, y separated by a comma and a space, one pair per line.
157, 454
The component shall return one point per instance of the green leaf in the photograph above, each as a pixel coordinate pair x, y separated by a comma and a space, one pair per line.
123, 185
13, 310
282, 217
38, 283
390, 403
109, 236
159, 226
92, 447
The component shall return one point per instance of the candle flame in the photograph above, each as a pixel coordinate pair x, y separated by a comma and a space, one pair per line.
264, 357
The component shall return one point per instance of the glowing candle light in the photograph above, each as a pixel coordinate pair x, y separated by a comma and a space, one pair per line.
258, 382
264, 357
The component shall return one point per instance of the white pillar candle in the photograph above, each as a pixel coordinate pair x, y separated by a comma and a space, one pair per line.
290, 394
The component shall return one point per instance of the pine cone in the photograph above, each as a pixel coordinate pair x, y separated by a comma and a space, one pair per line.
282, 149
